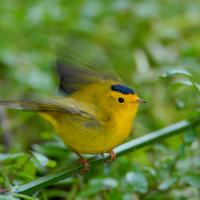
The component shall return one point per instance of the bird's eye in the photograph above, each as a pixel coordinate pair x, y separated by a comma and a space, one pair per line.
120, 100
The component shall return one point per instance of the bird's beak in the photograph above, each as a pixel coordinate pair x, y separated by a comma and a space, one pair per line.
141, 101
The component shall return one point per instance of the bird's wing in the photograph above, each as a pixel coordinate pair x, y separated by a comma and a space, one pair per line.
58, 104
80, 63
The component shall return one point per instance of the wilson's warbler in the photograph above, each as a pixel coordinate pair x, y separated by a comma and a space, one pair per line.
97, 113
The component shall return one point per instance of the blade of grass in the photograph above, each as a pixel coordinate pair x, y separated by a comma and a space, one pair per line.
40, 183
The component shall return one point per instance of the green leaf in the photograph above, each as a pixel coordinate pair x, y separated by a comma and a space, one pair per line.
181, 150
52, 149
167, 184
8, 197
94, 186
6, 181
110, 183
43, 160
176, 72
6, 157
138, 181
56, 194
193, 180
180, 104
180, 83
189, 136
197, 87
150, 171
25, 197
194, 114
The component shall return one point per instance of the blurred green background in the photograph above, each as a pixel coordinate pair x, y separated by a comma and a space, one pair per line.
153, 45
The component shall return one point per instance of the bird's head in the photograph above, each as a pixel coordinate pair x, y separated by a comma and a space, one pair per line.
121, 99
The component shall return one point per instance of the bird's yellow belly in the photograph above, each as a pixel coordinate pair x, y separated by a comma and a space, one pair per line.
88, 138
91, 140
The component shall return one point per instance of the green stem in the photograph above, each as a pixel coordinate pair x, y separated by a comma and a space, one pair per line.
40, 183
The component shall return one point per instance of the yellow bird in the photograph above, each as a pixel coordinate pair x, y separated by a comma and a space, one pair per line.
97, 112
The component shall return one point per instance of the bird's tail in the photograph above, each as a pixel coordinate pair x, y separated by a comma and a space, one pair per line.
20, 105
61, 105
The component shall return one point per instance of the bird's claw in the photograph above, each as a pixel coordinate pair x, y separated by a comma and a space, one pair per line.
85, 164
113, 156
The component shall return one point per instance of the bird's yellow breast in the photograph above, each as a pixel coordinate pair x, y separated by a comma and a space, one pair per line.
87, 136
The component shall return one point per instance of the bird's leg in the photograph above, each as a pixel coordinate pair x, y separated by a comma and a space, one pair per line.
113, 156
84, 162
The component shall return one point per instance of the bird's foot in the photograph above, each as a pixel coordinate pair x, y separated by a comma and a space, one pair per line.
86, 166
113, 156
84, 162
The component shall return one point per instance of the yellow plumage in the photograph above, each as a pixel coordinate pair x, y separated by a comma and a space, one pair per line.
110, 126
97, 111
